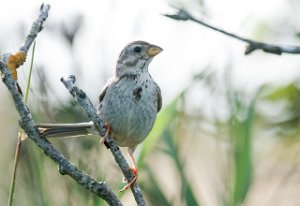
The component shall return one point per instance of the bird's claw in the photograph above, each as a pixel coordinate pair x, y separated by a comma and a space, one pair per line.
132, 182
107, 126
135, 172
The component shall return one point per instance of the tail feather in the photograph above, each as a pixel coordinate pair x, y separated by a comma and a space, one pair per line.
65, 130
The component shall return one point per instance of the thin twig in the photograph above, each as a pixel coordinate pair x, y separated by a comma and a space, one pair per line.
20, 138
15, 168
65, 167
86, 104
36, 27
183, 15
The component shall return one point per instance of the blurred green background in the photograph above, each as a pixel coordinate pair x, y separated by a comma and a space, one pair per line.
228, 133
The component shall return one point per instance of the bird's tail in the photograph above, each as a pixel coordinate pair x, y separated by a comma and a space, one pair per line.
65, 130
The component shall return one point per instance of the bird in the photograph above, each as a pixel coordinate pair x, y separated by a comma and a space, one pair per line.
128, 103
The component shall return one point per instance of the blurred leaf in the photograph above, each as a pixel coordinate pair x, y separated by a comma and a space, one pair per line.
290, 91
261, 30
164, 119
153, 191
288, 116
71, 28
33, 169
241, 129
187, 194
70, 112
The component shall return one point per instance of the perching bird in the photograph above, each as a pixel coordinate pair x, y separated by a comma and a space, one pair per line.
128, 103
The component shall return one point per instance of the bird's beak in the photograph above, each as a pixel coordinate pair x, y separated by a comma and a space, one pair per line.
153, 50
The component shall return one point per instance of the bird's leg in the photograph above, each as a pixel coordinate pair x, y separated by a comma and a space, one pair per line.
107, 126
134, 170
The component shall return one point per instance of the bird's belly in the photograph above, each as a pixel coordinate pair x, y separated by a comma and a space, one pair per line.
131, 119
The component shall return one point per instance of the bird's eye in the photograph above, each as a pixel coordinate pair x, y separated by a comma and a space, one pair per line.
137, 49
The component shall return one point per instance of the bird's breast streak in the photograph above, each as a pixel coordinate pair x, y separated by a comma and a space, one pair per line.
132, 121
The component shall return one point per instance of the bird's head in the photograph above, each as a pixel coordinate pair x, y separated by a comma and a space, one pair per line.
135, 58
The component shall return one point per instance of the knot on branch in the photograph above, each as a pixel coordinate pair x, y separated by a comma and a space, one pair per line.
81, 94
14, 61
62, 170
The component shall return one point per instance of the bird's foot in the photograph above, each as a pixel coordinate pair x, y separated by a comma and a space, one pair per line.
107, 126
129, 184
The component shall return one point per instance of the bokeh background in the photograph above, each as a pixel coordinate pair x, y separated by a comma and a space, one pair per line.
228, 133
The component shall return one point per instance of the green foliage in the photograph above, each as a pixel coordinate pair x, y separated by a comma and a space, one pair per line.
34, 175
187, 194
286, 92
154, 192
288, 118
241, 132
242, 112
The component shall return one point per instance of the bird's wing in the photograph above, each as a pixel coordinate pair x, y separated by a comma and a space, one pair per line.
159, 99
104, 89
103, 92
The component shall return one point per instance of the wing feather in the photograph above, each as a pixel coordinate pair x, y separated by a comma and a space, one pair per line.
159, 99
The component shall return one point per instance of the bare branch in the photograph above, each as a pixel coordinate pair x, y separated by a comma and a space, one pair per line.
36, 27
65, 167
183, 15
86, 104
